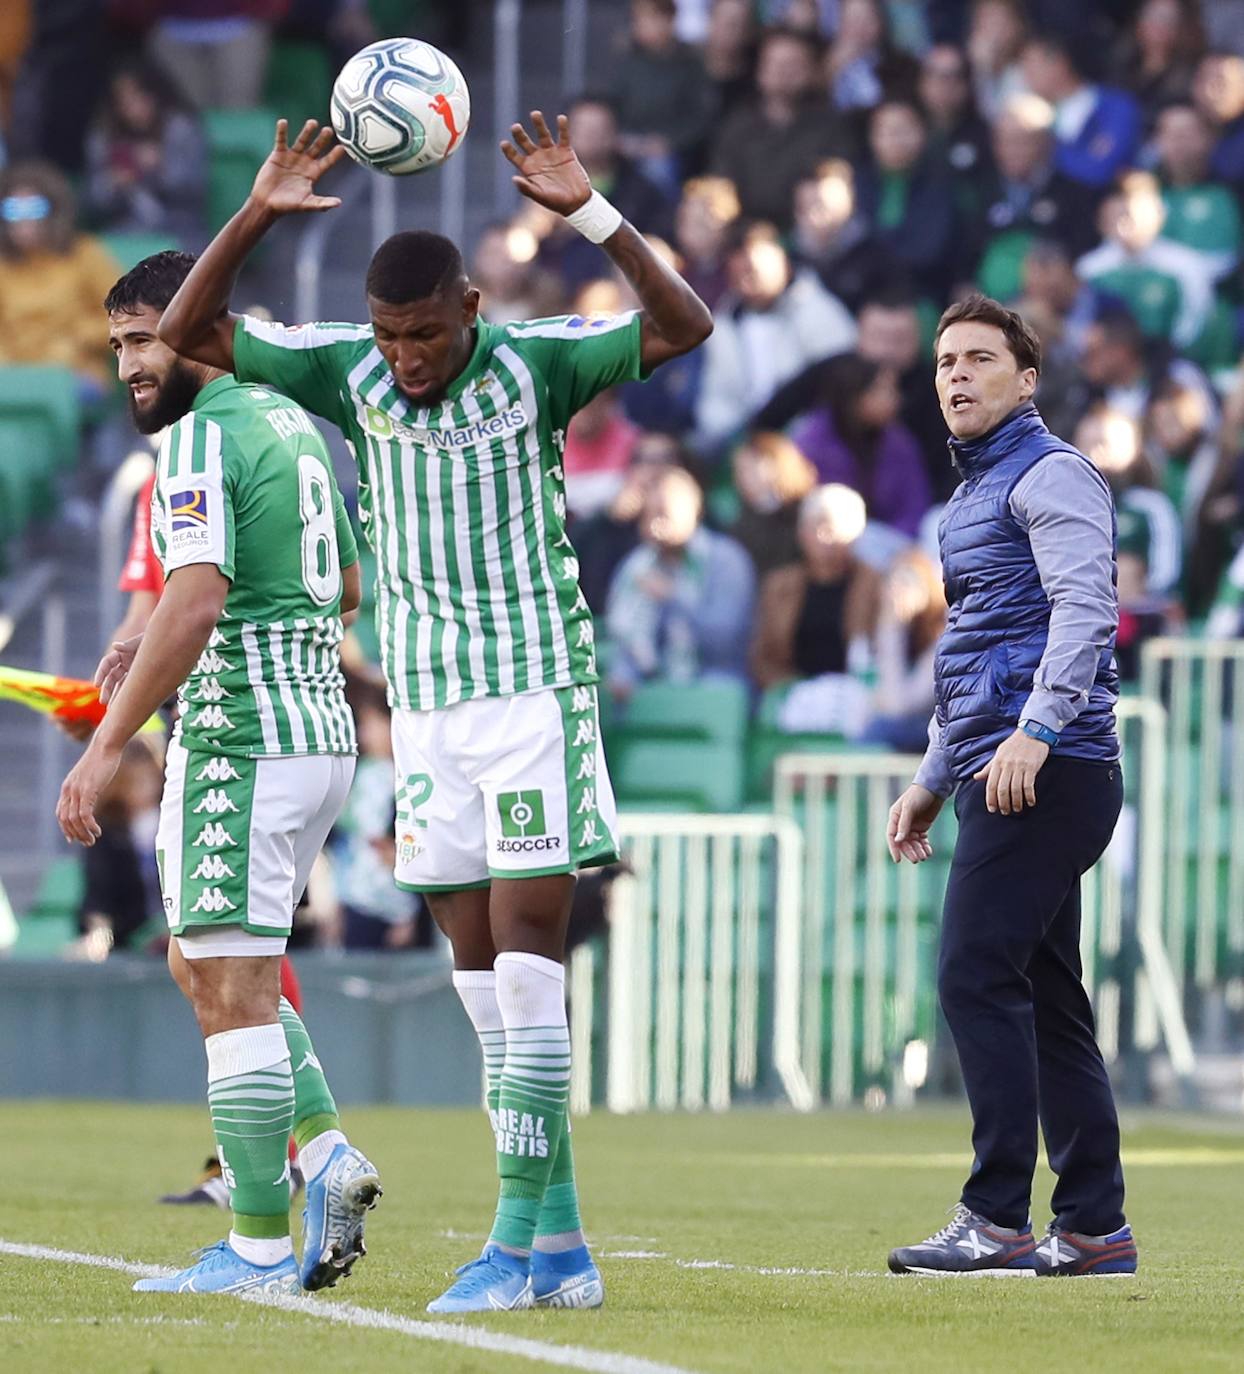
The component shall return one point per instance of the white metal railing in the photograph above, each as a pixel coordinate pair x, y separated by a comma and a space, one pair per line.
690, 927
1202, 684
846, 868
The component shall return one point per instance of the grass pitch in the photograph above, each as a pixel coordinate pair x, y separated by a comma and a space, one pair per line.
706, 1228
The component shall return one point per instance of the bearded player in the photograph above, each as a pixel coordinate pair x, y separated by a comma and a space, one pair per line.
487, 642
259, 561
142, 578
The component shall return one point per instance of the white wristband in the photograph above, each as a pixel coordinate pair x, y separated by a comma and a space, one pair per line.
596, 220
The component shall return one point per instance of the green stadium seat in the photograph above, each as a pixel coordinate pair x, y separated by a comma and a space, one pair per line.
39, 416
699, 774
699, 710
299, 81
131, 249
60, 891
238, 141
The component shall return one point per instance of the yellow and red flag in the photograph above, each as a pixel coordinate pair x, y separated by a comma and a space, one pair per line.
69, 699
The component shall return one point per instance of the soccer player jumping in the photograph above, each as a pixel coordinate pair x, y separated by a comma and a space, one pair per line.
260, 561
488, 647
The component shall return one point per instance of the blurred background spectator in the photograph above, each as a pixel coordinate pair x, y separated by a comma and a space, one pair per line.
216, 50
146, 159
680, 604
53, 279
771, 477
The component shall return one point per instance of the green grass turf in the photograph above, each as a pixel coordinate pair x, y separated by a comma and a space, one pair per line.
751, 1188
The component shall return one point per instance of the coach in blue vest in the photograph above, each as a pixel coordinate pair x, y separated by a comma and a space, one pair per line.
1024, 738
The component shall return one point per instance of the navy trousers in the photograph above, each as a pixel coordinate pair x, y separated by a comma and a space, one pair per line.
1009, 979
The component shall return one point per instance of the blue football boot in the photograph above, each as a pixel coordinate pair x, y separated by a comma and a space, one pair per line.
568, 1278
220, 1269
338, 1198
496, 1282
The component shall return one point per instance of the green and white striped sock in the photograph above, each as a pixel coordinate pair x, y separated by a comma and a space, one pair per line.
530, 1116
250, 1090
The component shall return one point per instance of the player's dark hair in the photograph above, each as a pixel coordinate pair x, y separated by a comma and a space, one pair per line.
153, 282
978, 309
414, 266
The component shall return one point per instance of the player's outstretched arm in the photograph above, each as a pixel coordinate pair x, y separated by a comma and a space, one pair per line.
197, 323
176, 635
675, 319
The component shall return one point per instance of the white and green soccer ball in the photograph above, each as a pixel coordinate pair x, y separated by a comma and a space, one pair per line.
400, 106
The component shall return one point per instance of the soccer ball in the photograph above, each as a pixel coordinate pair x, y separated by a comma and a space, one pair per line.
400, 106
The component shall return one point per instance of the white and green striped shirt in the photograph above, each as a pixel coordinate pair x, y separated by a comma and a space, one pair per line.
244, 482
463, 502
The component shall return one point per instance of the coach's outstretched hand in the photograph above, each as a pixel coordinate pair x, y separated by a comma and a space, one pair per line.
285, 184
548, 171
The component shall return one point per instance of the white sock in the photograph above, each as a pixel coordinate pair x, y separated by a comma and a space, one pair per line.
314, 1155
477, 990
265, 1253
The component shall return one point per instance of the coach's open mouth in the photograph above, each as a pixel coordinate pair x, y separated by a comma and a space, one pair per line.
961, 400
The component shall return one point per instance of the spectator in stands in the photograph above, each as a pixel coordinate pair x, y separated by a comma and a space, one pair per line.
52, 279
594, 128
771, 477
603, 540
511, 283
1168, 287
1218, 91
907, 198
599, 443
863, 65
770, 326
996, 37
958, 136
1121, 371
1201, 214
1024, 195
1180, 444
1062, 303
854, 437
662, 96
374, 912
680, 605
122, 884
835, 239
1157, 60
217, 50
910, 621
145, 157
767, 147
1150, 535
709, 206
816, 619
1097, 128
729, 52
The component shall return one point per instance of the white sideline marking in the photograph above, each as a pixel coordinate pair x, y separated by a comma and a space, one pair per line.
772, 1271
347, 1314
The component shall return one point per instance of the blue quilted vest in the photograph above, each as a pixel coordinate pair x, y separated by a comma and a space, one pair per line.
999, 616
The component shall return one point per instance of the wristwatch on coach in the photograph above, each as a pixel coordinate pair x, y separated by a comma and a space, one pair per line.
1035, 730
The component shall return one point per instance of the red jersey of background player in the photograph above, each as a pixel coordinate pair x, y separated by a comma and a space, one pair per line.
142, 571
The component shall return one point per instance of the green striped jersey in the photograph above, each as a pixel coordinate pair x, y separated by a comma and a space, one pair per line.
463, 502
244, 481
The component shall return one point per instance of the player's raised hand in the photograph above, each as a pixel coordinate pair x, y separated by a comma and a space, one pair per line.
547, 170
285, 184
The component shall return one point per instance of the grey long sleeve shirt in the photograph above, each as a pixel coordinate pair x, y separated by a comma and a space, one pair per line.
1067, 510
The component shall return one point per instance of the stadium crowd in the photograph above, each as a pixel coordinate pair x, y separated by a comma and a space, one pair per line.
829, 175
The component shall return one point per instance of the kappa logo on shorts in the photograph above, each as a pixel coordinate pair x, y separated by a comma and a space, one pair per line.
218, 770
215, 803
213, 867
522, 813
215, 836
213, 901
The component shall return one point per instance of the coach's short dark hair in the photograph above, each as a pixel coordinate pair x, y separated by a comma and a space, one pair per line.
413, 266
153, 282
1020, 337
